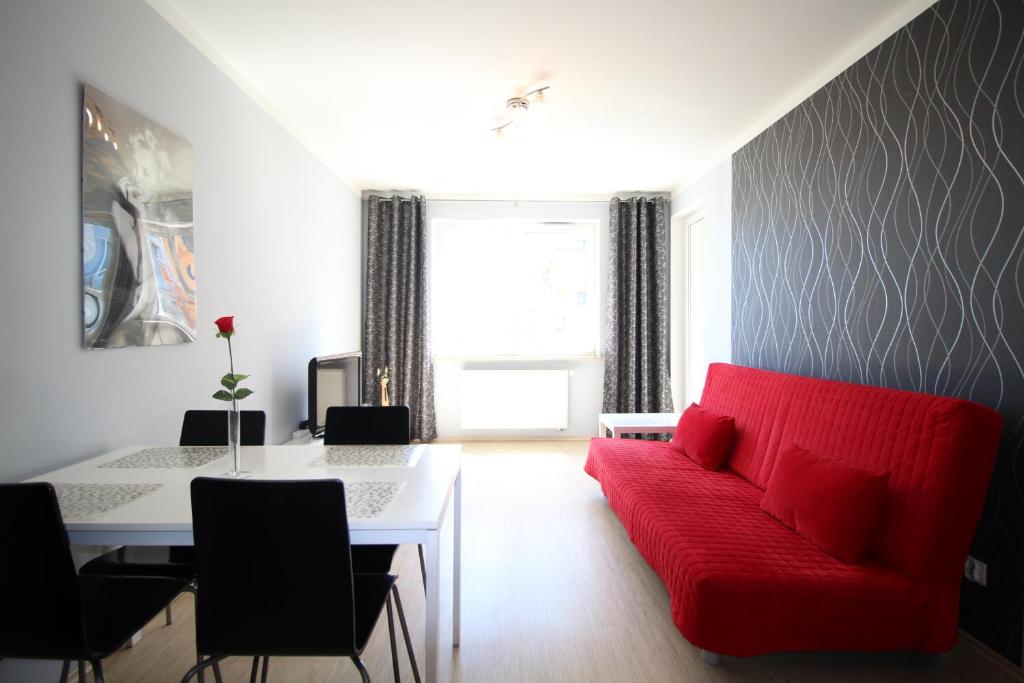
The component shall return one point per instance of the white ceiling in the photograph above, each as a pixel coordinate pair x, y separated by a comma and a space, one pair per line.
645, 95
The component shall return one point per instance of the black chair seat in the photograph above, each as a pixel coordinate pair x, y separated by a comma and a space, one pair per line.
173, 561
373, 559
371, 591
281, 584
52, 612
117, 607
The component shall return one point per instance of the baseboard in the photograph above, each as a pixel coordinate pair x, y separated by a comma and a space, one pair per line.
1013, 671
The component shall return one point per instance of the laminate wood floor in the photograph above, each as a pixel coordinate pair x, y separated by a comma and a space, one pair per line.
553, 591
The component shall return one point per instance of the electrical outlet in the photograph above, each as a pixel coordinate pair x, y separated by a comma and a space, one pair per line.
975, 570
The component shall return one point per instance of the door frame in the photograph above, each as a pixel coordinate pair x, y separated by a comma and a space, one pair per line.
680, 249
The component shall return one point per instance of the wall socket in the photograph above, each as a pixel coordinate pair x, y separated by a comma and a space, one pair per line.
975, 570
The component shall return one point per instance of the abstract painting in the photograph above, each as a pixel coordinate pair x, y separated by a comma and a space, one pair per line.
138, 255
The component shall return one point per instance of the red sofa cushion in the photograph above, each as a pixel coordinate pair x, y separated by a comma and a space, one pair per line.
835, 506
739, 582
705, 437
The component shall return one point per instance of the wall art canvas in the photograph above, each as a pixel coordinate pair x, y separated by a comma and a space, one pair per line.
138, 265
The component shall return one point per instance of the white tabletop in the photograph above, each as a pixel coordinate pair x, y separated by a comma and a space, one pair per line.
429, 493
640, 419
637, 423
419, 504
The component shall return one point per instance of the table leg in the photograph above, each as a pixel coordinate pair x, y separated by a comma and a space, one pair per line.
457, 565
433, 617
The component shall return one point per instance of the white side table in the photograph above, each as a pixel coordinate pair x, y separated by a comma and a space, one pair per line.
636, 423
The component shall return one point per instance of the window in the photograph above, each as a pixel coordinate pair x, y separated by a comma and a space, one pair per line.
514, 288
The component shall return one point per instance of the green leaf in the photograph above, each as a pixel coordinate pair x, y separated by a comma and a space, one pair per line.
226, 381
223, 395
239, 378
242, 393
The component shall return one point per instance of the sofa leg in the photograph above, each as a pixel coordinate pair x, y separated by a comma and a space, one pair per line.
711, 658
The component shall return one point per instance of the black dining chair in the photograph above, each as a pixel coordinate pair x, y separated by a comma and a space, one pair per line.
374, 425
273, 559
198, 428
387, 425
49, 610
210, 428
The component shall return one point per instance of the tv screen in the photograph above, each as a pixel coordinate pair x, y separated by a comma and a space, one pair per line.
333, 381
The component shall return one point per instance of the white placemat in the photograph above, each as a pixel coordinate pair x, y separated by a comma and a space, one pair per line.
369, 499
169, 457
369, 456
86, 500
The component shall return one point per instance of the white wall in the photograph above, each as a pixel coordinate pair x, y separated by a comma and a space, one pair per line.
585, 374
712, 194
277, 245
277, 240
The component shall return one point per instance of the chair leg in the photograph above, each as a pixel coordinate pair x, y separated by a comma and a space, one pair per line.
97, 672
391, 636
363, 673
255, 669
202, 664
405, 634
65, 669
81, 671
423, 567
168, 619
216, 670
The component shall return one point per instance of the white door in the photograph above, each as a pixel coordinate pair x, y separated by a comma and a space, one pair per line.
688, 296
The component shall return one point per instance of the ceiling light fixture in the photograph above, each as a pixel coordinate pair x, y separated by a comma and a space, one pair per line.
519, 106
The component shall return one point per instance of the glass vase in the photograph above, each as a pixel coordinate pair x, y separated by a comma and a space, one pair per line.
235, 443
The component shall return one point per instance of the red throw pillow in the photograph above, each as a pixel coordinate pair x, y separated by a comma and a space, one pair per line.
834, 505
705, 437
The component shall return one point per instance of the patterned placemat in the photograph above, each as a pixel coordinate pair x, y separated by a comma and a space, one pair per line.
369, 499
369, 456
85, 500
169, 457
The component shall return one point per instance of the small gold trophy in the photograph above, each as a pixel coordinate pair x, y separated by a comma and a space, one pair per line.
385, 400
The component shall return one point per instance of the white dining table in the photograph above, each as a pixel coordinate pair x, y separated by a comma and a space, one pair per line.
405, 494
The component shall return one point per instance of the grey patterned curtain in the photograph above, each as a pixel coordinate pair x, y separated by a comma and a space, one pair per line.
397, 329
636, 378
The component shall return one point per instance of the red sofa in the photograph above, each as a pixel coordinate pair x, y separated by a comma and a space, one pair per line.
743, 584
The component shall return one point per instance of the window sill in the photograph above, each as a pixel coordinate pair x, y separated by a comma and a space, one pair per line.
592, 357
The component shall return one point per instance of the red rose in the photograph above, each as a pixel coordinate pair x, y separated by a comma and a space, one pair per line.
225, 325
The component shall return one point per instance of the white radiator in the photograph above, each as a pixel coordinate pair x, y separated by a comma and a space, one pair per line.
515, 399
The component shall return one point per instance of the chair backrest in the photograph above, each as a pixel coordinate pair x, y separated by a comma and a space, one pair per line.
367, 425
274, 568
210, 428
41, 615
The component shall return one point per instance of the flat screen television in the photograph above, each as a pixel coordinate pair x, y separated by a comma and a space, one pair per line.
333, 381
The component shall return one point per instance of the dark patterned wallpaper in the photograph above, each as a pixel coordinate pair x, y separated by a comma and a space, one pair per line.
878, 237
